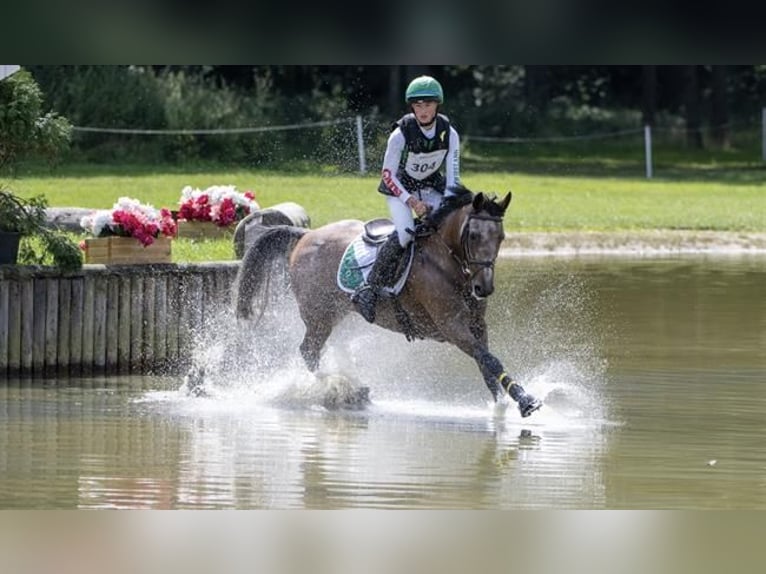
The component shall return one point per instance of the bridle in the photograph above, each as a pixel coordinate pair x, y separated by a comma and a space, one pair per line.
466, 260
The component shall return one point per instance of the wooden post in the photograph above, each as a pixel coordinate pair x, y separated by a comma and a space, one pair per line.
160, 321
194, 300
112, 323
75, 326
124, 338
147, 344
28, 297
99, 324
14, 328
136, 323
51, 326
173, 318
64, 321
88, 324
4, 321
39, 318
184, 317
208, 298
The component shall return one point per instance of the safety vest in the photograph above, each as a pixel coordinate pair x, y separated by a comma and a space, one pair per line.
423, 157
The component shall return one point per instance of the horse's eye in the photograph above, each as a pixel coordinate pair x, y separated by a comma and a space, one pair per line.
473, 235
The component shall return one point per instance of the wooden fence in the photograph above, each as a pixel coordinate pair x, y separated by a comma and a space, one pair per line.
136, 319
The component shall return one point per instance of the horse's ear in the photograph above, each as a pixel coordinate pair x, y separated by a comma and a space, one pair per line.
478, 201
506, 201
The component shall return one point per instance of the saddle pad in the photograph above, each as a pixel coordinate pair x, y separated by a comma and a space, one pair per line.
357, 261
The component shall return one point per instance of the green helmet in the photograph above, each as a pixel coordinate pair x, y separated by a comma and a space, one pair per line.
424, 88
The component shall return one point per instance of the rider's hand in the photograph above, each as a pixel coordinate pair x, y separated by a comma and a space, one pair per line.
419, 207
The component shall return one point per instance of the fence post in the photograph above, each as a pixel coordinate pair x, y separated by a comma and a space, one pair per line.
648, 150
360, 145
763, 134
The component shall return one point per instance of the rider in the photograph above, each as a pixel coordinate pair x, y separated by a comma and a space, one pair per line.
421, 167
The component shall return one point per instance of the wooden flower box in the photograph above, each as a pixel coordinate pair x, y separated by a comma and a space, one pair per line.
126, 251
204, 230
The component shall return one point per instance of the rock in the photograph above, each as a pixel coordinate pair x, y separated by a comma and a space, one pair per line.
250, 227
66, 218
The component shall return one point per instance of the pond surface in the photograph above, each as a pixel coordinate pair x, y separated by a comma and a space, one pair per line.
653, 373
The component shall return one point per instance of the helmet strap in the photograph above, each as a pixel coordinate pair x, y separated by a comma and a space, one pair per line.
426, 126
429, 124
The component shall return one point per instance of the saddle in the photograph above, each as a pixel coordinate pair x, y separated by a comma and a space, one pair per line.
360, 254
376, 231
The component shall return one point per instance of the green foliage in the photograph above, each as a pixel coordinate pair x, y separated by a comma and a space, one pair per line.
40, 245
24, 216
137, 97
537, 101
24, 128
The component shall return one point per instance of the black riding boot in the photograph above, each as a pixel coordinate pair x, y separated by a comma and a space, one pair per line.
382, 274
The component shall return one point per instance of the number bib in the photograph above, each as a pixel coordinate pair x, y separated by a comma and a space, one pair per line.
420, 165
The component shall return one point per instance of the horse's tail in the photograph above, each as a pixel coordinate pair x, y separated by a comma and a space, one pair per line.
272, 246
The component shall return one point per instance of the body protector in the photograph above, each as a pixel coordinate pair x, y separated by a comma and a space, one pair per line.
423, 159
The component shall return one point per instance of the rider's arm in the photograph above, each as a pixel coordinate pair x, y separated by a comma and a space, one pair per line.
453, 161
391, 159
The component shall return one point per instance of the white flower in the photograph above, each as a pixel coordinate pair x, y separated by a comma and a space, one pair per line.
97, 221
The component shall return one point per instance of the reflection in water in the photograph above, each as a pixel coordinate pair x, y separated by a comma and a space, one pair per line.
649, 369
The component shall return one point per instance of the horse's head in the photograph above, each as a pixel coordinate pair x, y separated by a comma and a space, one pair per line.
477, 233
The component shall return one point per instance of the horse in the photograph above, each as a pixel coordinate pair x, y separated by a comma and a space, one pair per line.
444, 297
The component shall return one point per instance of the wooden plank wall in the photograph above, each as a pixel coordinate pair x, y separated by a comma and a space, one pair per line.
138, 319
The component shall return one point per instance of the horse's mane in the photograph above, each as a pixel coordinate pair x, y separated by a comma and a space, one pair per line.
460, 197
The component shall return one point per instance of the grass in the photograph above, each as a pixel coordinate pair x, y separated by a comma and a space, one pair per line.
553, 191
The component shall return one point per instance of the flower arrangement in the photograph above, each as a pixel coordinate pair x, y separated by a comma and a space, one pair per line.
130, 218
221, 204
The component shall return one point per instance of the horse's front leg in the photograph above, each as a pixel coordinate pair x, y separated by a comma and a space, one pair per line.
497, 379
468, 331
477, 324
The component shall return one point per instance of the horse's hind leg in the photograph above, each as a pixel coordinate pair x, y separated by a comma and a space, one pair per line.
313, 342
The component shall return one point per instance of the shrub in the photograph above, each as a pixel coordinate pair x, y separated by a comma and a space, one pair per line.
26, 130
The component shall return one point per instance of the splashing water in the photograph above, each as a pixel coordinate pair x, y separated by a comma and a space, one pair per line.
553, 351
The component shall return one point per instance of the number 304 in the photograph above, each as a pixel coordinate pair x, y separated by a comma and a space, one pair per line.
423, 167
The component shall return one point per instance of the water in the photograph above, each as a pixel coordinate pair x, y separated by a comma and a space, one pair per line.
652, 371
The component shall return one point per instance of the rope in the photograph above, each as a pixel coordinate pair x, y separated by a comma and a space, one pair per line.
554, 139
214, 131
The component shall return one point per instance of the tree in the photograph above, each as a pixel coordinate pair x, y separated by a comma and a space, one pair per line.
649, 94
24, 127
536, 88
719, 113
692, 106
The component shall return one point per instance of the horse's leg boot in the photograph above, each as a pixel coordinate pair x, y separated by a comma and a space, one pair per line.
383, 273
526, 402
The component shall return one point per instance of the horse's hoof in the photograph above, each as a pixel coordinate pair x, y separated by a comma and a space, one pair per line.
361, 398
194, 382
528, 404
355, 399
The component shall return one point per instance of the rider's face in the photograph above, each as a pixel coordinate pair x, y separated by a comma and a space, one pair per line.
425, 111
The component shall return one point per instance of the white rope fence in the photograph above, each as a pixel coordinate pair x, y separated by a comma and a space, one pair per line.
358, 122
213, 131
605, 135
